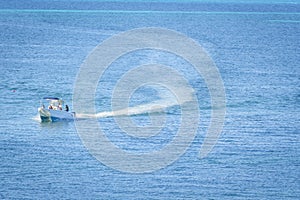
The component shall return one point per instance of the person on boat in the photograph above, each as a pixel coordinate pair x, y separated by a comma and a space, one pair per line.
50, 107
67, 108
59, 107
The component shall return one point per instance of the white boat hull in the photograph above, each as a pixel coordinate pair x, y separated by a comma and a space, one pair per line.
49, 115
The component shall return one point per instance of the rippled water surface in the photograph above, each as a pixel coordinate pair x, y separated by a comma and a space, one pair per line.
256, 49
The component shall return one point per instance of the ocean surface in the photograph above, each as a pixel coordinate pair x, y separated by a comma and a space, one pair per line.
256, 49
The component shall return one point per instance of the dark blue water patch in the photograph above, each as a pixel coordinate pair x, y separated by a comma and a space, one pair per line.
125, 140
54, 158
154, 6
143, 95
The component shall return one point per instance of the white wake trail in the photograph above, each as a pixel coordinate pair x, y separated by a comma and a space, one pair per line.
167, 100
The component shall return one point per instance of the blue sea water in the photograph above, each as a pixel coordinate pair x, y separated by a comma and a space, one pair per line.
256, 49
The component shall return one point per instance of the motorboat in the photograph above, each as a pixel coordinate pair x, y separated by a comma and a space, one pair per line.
55, 110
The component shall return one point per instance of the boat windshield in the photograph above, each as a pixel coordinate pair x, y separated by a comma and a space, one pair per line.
53, 103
